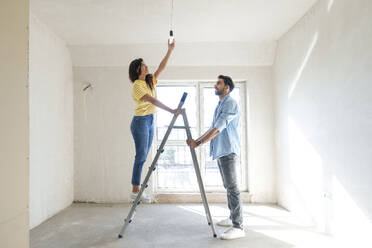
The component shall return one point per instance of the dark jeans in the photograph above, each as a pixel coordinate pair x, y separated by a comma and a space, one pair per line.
142, 129
227, 166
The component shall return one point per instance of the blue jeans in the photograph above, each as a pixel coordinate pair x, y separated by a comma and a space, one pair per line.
142, 129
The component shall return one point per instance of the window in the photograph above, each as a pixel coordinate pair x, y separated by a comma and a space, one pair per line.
175, 171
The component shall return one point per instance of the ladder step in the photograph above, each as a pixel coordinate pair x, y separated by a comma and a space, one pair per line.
131, 218
128, 221
179, 127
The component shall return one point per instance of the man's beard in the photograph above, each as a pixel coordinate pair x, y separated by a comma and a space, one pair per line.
218, 93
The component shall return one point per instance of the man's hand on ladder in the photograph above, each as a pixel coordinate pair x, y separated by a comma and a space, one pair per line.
192, 143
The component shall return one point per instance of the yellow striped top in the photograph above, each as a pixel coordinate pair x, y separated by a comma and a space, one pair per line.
140, 88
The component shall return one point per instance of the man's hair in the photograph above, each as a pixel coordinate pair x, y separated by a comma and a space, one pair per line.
228, 81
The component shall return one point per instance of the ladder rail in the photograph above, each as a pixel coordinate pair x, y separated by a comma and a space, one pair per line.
199, 178
152, 168
147, 178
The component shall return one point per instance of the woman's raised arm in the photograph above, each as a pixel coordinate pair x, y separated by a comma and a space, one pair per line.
163, 63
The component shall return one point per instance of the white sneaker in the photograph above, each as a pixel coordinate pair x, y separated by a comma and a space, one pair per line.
225, 222
145, 198
233, 233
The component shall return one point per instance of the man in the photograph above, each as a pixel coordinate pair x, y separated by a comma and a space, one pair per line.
225, 147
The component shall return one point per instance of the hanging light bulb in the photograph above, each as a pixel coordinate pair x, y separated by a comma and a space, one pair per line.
171, 37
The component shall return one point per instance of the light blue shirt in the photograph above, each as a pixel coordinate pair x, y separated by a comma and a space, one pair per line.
226, 120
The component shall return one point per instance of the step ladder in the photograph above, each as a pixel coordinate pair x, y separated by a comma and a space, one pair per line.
152, 168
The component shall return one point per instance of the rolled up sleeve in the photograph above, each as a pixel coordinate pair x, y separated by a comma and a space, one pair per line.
228, 112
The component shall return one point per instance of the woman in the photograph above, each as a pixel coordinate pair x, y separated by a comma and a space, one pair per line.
142, 126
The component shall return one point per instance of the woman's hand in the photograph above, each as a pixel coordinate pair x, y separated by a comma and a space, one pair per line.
171, 45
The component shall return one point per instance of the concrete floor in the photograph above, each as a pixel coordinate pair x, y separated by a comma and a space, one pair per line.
171, 225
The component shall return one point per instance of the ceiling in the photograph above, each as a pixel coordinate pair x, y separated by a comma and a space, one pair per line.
81, 22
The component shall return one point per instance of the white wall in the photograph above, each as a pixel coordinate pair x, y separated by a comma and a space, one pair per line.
51, 124
14, 131
104, 148
323, 111
185, 54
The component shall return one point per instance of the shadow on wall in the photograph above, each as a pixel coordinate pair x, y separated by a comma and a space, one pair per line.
328, 128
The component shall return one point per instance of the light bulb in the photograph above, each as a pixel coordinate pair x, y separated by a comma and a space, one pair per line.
171, 38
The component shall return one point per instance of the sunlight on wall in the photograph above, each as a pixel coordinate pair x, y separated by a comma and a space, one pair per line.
330, 4
306, 173
350, 225
303, 64
335, 210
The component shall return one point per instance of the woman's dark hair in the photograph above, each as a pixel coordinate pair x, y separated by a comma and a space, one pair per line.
135, 71
228, 81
